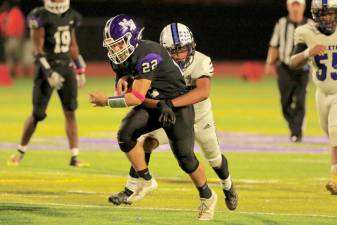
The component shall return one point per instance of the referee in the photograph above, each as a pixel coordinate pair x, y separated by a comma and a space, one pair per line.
291, 83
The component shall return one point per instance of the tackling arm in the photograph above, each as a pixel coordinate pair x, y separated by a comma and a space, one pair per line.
198, 94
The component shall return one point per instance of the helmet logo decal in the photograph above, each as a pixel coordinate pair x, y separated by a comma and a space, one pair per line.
128, 24
175, 33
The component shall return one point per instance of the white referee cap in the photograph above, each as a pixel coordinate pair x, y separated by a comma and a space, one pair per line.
298, 1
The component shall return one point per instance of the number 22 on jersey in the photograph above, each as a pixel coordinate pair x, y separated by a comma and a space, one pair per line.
62, 41
321, 62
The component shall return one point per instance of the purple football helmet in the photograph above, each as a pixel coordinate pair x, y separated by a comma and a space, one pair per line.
121, 36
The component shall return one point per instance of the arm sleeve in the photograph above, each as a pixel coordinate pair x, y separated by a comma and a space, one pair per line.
35, 19
299, 43
147, 65
204, 68
275, 38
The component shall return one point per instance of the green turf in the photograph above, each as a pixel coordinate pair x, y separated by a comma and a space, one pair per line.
274, 188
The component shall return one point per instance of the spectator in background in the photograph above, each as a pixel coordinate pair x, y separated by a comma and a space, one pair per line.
292, 84
12, 28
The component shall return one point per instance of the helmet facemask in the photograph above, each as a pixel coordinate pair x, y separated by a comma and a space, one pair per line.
190, 48
119, 50
326, 19
57, 7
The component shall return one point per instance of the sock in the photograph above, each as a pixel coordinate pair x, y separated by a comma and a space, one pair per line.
145, 174
147, 157
74, 151
133, 173
22, 149
204, 191
226, 183
131, 184
73, 158
334, 173
222, 171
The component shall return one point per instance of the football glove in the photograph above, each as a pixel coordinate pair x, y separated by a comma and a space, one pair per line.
55, 80
167, 117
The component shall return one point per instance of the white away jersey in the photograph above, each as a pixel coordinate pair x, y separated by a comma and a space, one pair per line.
323, 67
201, 66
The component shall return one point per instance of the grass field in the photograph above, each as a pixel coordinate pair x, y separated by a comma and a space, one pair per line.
277, 182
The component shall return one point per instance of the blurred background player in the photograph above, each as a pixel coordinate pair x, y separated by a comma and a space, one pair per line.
12, 28
292, 83
197, 70
56, 50
159, 79
317, 44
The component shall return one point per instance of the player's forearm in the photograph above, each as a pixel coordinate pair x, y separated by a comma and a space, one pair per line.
272, 55
299, 60
194, 96
151, 103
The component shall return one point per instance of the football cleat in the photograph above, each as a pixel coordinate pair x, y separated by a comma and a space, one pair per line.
143, 188
231, 198
332, 187
122, 197
77, 163
295, 139
128, 196
207, 207
15, 160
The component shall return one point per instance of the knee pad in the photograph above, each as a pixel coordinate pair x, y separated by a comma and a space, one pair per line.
125, 141
39, 116
188, 163
150, 143
216, 162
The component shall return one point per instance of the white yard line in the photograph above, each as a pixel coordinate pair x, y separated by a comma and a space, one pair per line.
168, 209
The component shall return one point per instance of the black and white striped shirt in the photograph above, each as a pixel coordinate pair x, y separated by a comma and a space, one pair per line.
283, 38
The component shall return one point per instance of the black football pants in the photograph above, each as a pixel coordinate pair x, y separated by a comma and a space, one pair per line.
141, 120
292, 86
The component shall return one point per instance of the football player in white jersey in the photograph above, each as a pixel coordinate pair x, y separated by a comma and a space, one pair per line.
316, 43
197, 70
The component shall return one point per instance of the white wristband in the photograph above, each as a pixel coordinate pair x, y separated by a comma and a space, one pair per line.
306, 53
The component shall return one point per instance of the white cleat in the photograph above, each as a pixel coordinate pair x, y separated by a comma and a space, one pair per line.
143, 188
207, 207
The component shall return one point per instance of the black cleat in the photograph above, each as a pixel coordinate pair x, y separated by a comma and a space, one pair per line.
76, 163
231, 198
122, 197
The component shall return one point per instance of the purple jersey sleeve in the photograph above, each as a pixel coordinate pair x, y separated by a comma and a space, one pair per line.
147, 65
34, 20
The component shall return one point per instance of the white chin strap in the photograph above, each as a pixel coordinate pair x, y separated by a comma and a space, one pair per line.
57, 7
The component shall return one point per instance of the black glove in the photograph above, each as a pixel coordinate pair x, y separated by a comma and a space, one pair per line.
167, 117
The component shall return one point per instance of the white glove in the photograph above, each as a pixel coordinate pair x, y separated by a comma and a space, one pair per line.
55, 80
81, 80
